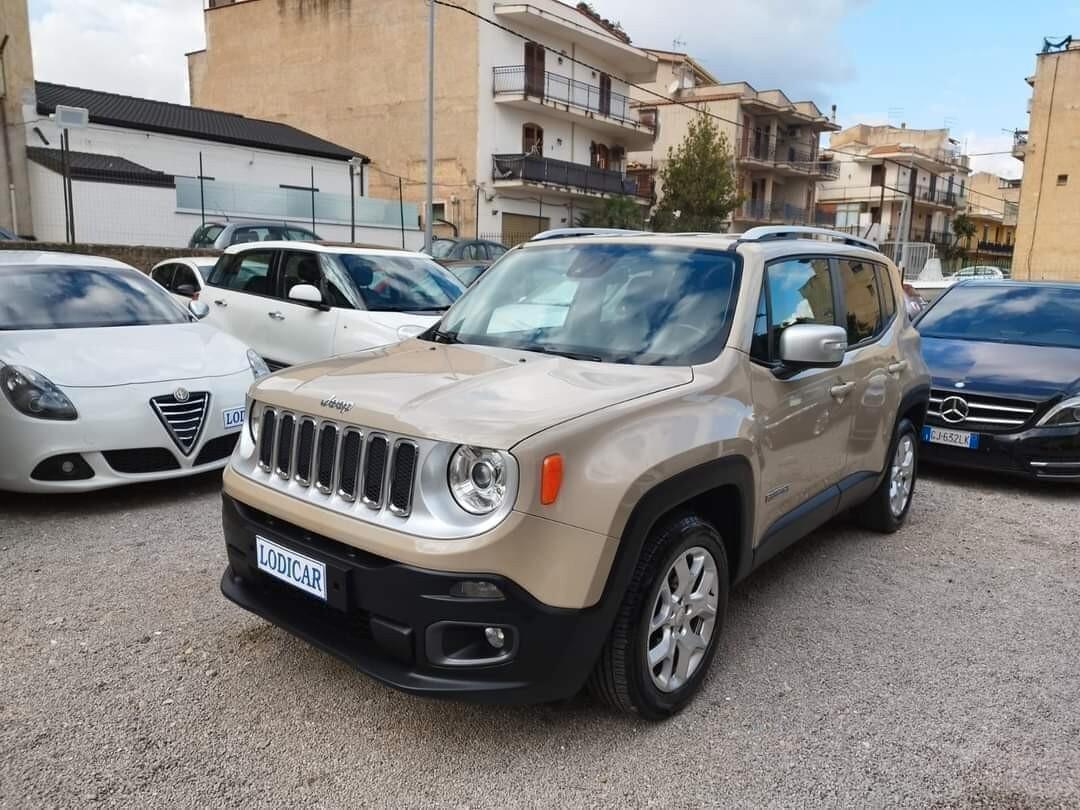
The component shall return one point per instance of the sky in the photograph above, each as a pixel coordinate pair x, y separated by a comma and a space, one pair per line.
929, 64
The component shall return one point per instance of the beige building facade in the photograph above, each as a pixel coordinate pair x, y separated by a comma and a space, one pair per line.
16, 91
774, 141
533, 120
1046, 231
993, 206
898, 183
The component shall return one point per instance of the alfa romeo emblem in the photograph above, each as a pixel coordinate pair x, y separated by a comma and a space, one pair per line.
181, 395
954, 410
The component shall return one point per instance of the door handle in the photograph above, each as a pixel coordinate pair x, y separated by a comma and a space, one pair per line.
897, 367
277, 316
220, 303
842, 390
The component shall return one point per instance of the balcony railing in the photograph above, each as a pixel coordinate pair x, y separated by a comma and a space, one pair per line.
798, 155
941, 196
995, 247
515, 80
765, 211
536, 169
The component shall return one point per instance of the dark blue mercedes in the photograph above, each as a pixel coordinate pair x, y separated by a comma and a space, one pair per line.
1004, 357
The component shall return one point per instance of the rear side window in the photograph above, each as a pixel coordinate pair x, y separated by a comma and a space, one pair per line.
888, 293
163, 275
247, 272
206, 236
300, 235
863, 319
258, 233
795, 291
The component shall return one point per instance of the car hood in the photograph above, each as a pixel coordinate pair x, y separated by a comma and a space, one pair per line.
92, 358
1003, 369
465, 394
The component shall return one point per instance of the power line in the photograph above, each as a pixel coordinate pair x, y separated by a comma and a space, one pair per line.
738, 125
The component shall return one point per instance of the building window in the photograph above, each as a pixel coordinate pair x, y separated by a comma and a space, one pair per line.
532, 139
1063, 179
601, 156
605, 94
877, 175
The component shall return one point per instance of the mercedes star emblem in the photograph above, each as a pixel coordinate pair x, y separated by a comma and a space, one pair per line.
954, 410
181, 395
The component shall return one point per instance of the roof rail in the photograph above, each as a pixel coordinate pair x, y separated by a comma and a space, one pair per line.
770, 232
567, 233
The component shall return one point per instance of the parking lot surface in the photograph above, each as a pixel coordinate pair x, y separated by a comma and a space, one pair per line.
937, 666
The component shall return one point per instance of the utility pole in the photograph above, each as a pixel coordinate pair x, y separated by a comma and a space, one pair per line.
429, 207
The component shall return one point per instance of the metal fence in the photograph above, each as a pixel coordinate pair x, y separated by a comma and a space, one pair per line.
517, 80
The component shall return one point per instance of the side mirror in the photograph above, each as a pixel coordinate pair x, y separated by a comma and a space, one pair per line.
186, 290
810, 345
306, 294
199, 309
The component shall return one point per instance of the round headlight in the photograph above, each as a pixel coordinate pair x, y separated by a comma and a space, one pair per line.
477, 479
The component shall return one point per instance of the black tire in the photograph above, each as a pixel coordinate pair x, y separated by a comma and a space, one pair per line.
621, 678
876, 513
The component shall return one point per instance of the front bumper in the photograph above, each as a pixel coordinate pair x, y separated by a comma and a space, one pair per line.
1043, 453
117, 418
387, 619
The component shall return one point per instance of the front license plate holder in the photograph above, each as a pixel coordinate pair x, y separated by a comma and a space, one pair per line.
950, 437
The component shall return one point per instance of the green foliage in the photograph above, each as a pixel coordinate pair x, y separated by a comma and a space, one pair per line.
697, 184
962, 228
616, 212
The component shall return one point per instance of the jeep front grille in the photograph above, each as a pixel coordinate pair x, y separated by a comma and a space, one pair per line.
958, 409
349, 462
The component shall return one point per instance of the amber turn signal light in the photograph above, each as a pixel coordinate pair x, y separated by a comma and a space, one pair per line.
550, 479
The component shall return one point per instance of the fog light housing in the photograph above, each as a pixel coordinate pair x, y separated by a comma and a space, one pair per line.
468, 644
495, 637
470, 589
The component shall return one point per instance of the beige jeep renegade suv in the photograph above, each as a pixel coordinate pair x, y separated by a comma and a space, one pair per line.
560, 483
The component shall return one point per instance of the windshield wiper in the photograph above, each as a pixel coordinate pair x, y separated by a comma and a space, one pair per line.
440, 336
594, 358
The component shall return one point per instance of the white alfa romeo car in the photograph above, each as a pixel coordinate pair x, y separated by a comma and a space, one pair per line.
106, 380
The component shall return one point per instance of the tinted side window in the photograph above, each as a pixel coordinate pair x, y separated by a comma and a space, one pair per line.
863, 308
300, 235
184, 277
888, 294
205, 236
258, 233
163, 275
495, 251
473, 252
797, 291
248, 272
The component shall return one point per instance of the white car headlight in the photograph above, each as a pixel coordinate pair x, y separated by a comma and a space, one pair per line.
35, 394
478, 479
258, 365
1064, 414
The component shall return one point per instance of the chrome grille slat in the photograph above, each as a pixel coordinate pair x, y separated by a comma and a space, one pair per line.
983, 411
341, 461
183, 420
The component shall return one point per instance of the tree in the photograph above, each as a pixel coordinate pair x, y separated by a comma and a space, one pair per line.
697, 183
616, 212
962, 228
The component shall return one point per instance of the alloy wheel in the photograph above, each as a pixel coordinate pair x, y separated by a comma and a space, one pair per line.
682, 619
902, 475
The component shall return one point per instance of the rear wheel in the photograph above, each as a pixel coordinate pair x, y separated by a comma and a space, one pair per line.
668, 626
887, 508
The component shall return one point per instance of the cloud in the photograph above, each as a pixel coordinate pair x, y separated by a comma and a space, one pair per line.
126, 46
769, 43
1000, 161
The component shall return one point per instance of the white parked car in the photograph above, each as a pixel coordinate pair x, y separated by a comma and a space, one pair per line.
294, 302
184, 278
979, 271
106, 380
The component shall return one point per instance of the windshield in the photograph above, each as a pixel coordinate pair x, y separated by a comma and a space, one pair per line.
82, 298
401, 283
1006, 313
441, 248
642, 304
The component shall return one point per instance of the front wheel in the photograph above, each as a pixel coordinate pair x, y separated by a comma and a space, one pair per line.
887, 508
667, 629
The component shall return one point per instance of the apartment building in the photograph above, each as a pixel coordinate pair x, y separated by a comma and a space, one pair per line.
910, 183
992, 206
1046, 244
533, 115
774, 141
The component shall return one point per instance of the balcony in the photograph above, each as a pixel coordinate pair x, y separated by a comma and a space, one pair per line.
999, 248
1020, 144
575, 101
765, 211
943, 197
792, 158
561, 177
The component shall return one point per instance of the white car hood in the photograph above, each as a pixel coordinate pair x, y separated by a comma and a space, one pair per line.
121, 355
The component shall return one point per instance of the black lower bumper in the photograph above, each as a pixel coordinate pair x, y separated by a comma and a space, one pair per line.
1042, 453
400, 624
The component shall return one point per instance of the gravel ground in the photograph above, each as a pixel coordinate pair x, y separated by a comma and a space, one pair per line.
936, 667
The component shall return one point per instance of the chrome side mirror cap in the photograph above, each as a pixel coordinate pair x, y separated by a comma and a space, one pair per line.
811, 345
198, 309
